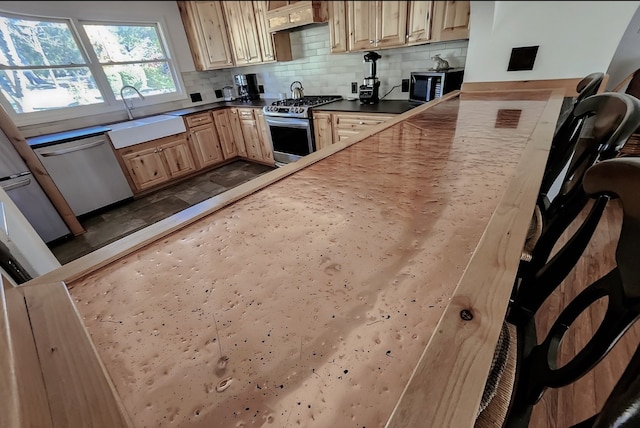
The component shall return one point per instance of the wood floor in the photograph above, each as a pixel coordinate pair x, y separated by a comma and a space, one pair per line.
574, 403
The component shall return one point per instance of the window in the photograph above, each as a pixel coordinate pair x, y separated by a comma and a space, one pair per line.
132, 55
47, 72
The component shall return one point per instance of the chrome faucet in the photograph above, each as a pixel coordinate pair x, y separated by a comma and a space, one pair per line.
129, 108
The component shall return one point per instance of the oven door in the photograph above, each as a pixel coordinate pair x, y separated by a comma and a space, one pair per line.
292, 138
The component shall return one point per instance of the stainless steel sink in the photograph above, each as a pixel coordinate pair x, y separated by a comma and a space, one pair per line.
125, 134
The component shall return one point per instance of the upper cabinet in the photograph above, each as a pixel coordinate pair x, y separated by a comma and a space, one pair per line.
451, 20
231, 33
419, 22
207, 35
376, 24
367, 25
283, 15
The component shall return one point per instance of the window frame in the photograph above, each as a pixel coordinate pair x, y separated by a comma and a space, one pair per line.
111, 102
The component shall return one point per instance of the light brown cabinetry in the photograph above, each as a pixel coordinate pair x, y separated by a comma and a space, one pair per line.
250, 133
243, 31
283, 15
376, 24
225, 133
451, 20
419, 22
338, 26
251, 40
228, 33
264, 137
204, 140
333, 127
236, 129
156, 162
322, 130
366, 25
206, 32
256, 140
346, 125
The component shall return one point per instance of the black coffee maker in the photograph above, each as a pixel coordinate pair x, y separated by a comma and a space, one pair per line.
247, 85
371, 85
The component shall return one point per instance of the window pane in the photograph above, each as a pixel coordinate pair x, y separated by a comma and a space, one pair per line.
122, 43
46, 89
26, 42
149, 78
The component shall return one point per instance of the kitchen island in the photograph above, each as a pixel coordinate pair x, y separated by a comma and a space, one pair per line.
363, 285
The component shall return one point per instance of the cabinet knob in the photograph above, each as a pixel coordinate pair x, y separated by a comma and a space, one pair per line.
371, 41
361, 123
160, 149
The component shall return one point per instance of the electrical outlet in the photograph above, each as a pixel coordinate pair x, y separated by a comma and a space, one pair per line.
354, 87
218, 93
261, 89
195, 97
405, 85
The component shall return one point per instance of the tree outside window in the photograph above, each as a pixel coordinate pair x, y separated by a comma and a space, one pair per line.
44, 66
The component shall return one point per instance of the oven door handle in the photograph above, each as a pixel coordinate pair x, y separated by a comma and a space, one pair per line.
289, 122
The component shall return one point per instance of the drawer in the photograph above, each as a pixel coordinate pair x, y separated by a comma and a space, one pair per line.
246, 113
198, 119
343, 134
358, 122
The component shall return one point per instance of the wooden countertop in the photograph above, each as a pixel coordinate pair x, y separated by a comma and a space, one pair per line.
329, 292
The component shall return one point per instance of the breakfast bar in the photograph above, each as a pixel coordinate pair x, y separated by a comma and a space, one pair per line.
362, 286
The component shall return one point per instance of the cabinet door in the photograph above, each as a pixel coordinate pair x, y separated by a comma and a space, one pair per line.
250, 133
178, 157
361, 17
338, 26
322, 130
265, 137
236, 129
146, 168
206, 145
243, 31
264, 36
206, 33
391, 22
225, 133
419, 25
450, 20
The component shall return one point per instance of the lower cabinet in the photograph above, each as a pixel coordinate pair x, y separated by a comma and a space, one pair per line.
225, 133
204, 140
212, 137
333, 127
255, 132
156, 162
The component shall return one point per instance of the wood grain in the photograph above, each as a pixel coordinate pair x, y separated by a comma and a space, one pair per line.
39, 172
569, 85
9, 413
447, 384
31, 393
79, 392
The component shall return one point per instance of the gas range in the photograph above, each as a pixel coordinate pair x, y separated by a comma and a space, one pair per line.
297, 107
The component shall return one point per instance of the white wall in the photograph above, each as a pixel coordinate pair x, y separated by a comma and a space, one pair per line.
626, 59
575, 38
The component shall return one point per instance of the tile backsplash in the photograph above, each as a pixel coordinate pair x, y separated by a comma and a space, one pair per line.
322, 73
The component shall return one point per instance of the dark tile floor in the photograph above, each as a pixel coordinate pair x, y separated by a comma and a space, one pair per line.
108, 226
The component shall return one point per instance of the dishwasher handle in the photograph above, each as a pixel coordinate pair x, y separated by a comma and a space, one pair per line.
15, 184
71, 149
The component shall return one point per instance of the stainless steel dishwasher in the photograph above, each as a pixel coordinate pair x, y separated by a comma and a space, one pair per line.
87, 173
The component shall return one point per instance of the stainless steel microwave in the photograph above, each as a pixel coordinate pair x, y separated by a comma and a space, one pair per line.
425, 86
